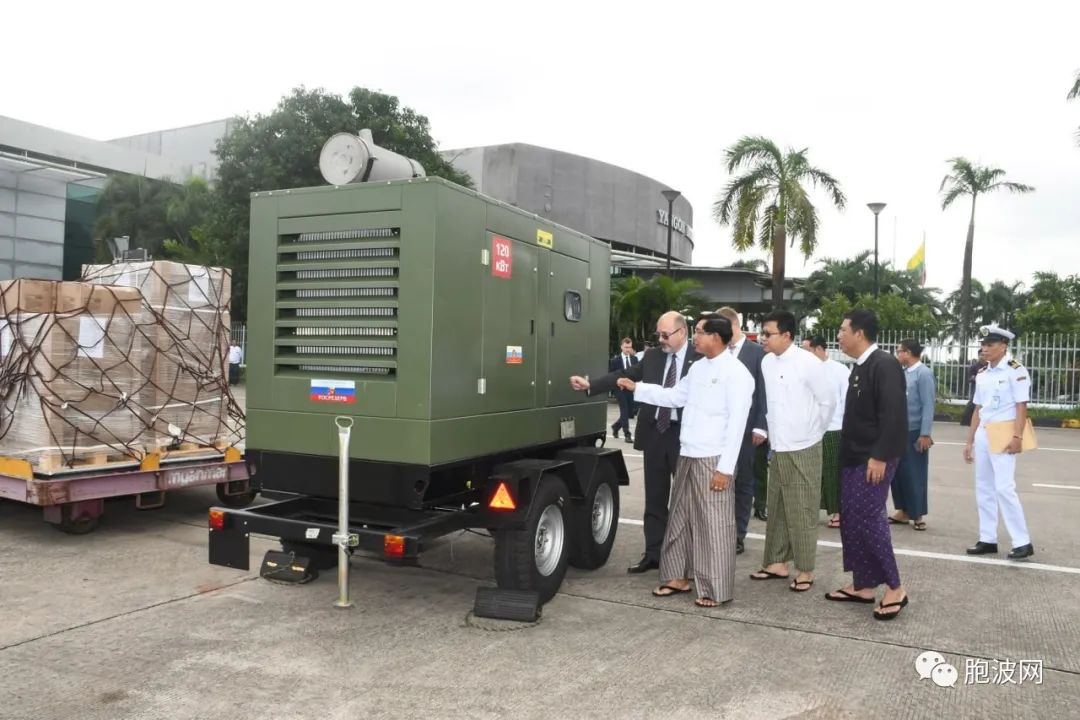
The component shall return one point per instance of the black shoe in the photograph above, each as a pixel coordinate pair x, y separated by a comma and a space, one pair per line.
1024, 551
615, 430
983, 548
629, 439
740, 547
761, 514
643, 565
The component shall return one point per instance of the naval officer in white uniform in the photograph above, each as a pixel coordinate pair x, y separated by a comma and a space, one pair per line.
1002, 391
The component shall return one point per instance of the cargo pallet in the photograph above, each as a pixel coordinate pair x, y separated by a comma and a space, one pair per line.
73, 498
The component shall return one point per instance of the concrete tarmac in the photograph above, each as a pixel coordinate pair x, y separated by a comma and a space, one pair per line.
131, 622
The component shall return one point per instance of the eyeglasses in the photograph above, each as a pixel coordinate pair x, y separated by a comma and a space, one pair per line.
667, 335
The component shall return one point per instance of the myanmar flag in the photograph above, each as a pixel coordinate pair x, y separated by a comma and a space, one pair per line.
917, 264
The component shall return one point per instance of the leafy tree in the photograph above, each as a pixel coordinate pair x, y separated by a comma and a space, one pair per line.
894, 313
769, 202
281, 150
135, 206
967, 178
1053, 305
994, 304
854, 276
757, 265
637, 303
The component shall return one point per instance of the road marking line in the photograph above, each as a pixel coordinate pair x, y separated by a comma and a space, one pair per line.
1058, 487
1070, 450
926, 554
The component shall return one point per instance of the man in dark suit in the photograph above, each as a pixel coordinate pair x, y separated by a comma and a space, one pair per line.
624, 361
657, 433
749, 354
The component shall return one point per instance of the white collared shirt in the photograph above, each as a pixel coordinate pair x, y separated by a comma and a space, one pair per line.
839, 374
999, 388
716, 396
800, 398
913, 366
736, 347
866, 354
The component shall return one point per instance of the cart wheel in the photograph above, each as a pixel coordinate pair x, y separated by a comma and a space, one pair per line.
76, 523
535, 558
235, 500
594, 520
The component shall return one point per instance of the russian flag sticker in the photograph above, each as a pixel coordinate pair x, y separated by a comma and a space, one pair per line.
333, 391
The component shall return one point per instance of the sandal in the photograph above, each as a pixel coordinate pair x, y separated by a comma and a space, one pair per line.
919, 525
671, 590
764, 574
894, 521
834, 523
706, 602
795, 585
878, 615
849, 597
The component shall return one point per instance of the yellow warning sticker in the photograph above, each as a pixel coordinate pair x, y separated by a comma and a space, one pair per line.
545, 239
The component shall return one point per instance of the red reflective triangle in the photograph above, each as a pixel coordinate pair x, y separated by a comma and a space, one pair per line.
501, 500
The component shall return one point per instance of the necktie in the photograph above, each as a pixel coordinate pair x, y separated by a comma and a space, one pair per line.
626, 362
663, 415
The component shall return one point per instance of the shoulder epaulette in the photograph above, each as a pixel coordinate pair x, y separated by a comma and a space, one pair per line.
1014, 364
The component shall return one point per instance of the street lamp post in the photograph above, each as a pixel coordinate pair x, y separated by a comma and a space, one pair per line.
670, 196
876, 208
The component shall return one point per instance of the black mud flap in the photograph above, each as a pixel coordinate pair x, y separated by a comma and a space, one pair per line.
230, 548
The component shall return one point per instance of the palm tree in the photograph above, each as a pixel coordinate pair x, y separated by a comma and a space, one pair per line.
1073, 94
768, 202
968, 178
757, 265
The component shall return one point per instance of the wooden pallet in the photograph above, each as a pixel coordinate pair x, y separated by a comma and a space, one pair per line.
104, 458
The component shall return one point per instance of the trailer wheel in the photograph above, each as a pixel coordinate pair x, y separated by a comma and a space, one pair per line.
76, 523
593, 521
535, 558
322, 558
235, 500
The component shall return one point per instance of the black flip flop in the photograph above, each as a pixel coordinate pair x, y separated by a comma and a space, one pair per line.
674, 591
849, 597
889, 616
794, 586
894, 521
768, 575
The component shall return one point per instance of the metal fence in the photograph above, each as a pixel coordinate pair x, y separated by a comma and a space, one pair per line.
1052, 360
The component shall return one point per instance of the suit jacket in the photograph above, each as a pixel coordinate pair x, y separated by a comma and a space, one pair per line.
651, 369
750, 355
617, 362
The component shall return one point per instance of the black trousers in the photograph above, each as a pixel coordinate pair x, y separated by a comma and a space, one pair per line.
661, 457
626, 411
745, 481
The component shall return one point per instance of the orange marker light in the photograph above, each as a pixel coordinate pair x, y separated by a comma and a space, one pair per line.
393, 546
217, 519
502, 500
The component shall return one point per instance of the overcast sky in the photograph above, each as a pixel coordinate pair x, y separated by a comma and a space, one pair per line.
881, 97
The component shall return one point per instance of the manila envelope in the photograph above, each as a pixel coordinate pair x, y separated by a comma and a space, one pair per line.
1000, 434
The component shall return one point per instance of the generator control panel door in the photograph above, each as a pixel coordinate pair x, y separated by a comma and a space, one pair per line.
567, 334
510, 327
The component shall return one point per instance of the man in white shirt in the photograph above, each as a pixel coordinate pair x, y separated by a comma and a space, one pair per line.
715, 397
236, 356
801, 401
838, 374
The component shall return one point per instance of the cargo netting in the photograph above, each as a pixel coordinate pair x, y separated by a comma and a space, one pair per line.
128, 362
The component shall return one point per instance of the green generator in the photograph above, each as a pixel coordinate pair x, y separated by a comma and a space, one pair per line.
446, 324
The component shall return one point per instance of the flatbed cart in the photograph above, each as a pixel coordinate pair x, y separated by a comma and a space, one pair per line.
73, 499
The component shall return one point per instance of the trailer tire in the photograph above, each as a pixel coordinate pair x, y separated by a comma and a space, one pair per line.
594, 521
322, 557
535, 558
240, 500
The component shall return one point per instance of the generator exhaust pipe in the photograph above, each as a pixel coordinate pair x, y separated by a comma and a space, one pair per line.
343, 538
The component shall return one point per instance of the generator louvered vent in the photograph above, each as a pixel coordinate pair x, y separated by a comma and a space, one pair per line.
337, 302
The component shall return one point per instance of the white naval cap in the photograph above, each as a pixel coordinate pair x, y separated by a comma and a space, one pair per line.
993, 333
